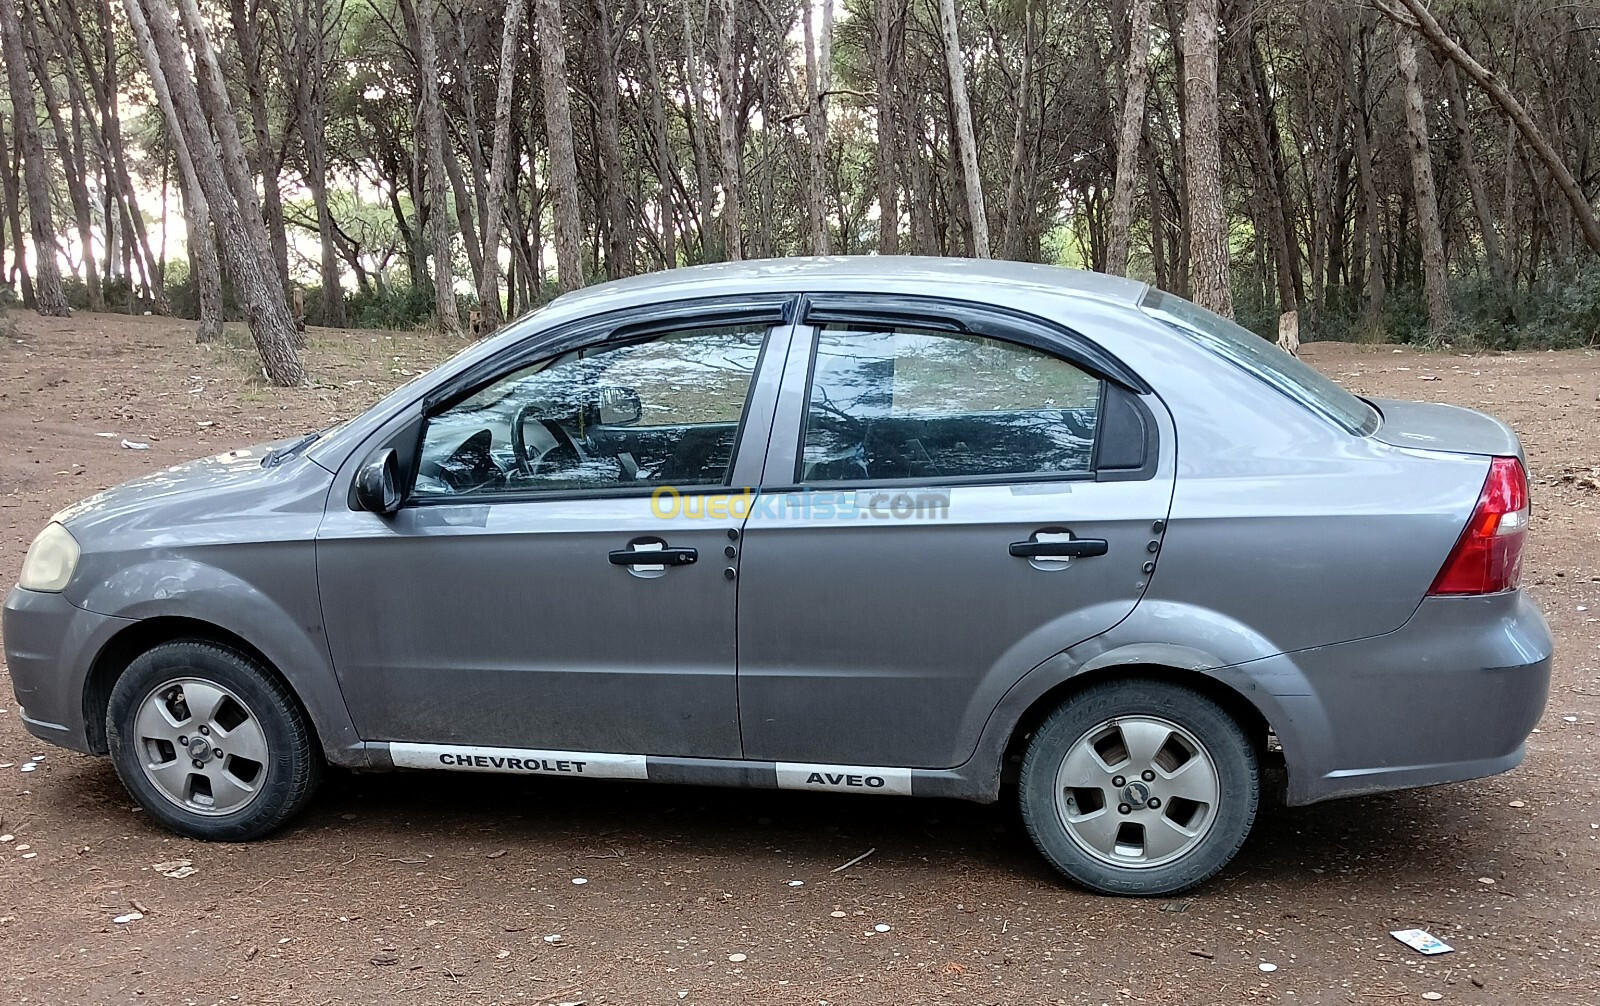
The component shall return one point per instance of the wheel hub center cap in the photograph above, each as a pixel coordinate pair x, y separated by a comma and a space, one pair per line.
200, 749
1136, 794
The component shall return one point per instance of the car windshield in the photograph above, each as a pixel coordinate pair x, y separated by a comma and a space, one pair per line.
1248, 351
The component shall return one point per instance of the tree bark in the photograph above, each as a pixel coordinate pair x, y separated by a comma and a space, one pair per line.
311, 92
816, 135
266, 311
661, 146
1021, 137
1208, 218
889, 21
1423, 22
728, 114
966, 141
73, 166
444, 280
499, 156
563, 158
1130, 139
1435, 271
619, 243
50, 298
1460, 120
10, 171
246, 18
1357, 76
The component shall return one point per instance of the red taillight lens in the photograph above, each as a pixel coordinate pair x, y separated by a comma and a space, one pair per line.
1488, 557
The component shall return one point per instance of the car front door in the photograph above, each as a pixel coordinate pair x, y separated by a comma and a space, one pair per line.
532, 592
948, 502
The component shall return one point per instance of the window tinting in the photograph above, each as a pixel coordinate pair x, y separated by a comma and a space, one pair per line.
659, 412
899, 403
1248, 351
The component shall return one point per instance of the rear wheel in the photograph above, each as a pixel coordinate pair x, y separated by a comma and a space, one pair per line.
210, 743
1139, 788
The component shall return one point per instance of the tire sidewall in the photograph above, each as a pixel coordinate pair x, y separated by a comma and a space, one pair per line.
287, 769
1231, 752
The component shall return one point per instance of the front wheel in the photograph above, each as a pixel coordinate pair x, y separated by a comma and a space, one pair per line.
210, 744
1139, 787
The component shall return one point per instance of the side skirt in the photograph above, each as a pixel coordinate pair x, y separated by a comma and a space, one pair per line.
868, 779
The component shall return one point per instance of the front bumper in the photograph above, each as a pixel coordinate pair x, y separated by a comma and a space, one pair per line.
50, 647
1451, 695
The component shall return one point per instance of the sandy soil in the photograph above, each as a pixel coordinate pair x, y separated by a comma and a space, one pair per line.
444, 889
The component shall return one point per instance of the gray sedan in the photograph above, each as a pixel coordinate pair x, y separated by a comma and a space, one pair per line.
883, 526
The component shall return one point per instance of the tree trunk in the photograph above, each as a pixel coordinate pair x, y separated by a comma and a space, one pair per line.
49, 297
1460, 120
563, 158
816, 134
1435, 272
1357, 81
1132, 135
73, 167
728, 113
966, 142
499, 156
619, 243
1208, 218
889, 21
1268, 181
217, 109
266, 311
661, 148
444, 280
311, 92
694, 114
1425, 24
246, 21
11, 189
1021, 137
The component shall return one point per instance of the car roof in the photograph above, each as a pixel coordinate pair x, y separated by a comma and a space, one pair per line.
896, 273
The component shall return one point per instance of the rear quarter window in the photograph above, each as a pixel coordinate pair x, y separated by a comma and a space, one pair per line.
1255, 355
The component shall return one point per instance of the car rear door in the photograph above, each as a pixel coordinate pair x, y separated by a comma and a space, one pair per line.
950, 498
557, 607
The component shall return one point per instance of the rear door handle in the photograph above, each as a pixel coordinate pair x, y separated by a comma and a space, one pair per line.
1075, 548
655, 557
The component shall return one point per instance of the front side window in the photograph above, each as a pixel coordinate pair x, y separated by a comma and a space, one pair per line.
910, 403
663, 411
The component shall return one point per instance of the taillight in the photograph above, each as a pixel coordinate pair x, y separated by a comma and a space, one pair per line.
1488, 557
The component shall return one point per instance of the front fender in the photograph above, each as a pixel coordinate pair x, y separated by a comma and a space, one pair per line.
277, 612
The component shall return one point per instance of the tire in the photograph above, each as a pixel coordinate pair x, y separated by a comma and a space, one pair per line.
1108, 739
167, 753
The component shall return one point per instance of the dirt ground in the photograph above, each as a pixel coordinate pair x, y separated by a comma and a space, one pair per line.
446, 889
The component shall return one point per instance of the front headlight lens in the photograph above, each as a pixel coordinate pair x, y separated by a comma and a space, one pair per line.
51, 560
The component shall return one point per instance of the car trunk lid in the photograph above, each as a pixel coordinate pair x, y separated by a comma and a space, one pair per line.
1434, 427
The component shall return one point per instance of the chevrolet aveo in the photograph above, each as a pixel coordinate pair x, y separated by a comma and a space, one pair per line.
884, 526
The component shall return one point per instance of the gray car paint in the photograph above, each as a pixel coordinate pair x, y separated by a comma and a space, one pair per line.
1293, 566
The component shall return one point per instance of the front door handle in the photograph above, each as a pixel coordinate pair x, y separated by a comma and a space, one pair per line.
1075, 548
655, 557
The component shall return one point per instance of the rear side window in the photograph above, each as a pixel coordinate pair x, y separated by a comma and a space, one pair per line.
905, 402
1248, 351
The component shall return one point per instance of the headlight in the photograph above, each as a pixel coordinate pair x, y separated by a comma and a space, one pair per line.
51, 559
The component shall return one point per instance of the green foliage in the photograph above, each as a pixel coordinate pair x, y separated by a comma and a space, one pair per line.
395, 306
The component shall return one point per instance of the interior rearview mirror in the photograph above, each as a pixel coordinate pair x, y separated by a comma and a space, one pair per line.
616, 406
378, 483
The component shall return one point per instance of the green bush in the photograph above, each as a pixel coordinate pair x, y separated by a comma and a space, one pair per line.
396, 306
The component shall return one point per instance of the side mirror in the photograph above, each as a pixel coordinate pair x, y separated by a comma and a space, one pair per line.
378, 483
615, 406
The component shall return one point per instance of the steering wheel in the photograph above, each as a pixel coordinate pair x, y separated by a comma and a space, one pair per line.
566, 449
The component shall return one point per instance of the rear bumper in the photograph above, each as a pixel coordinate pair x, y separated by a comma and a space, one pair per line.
1451, 695
50, 646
